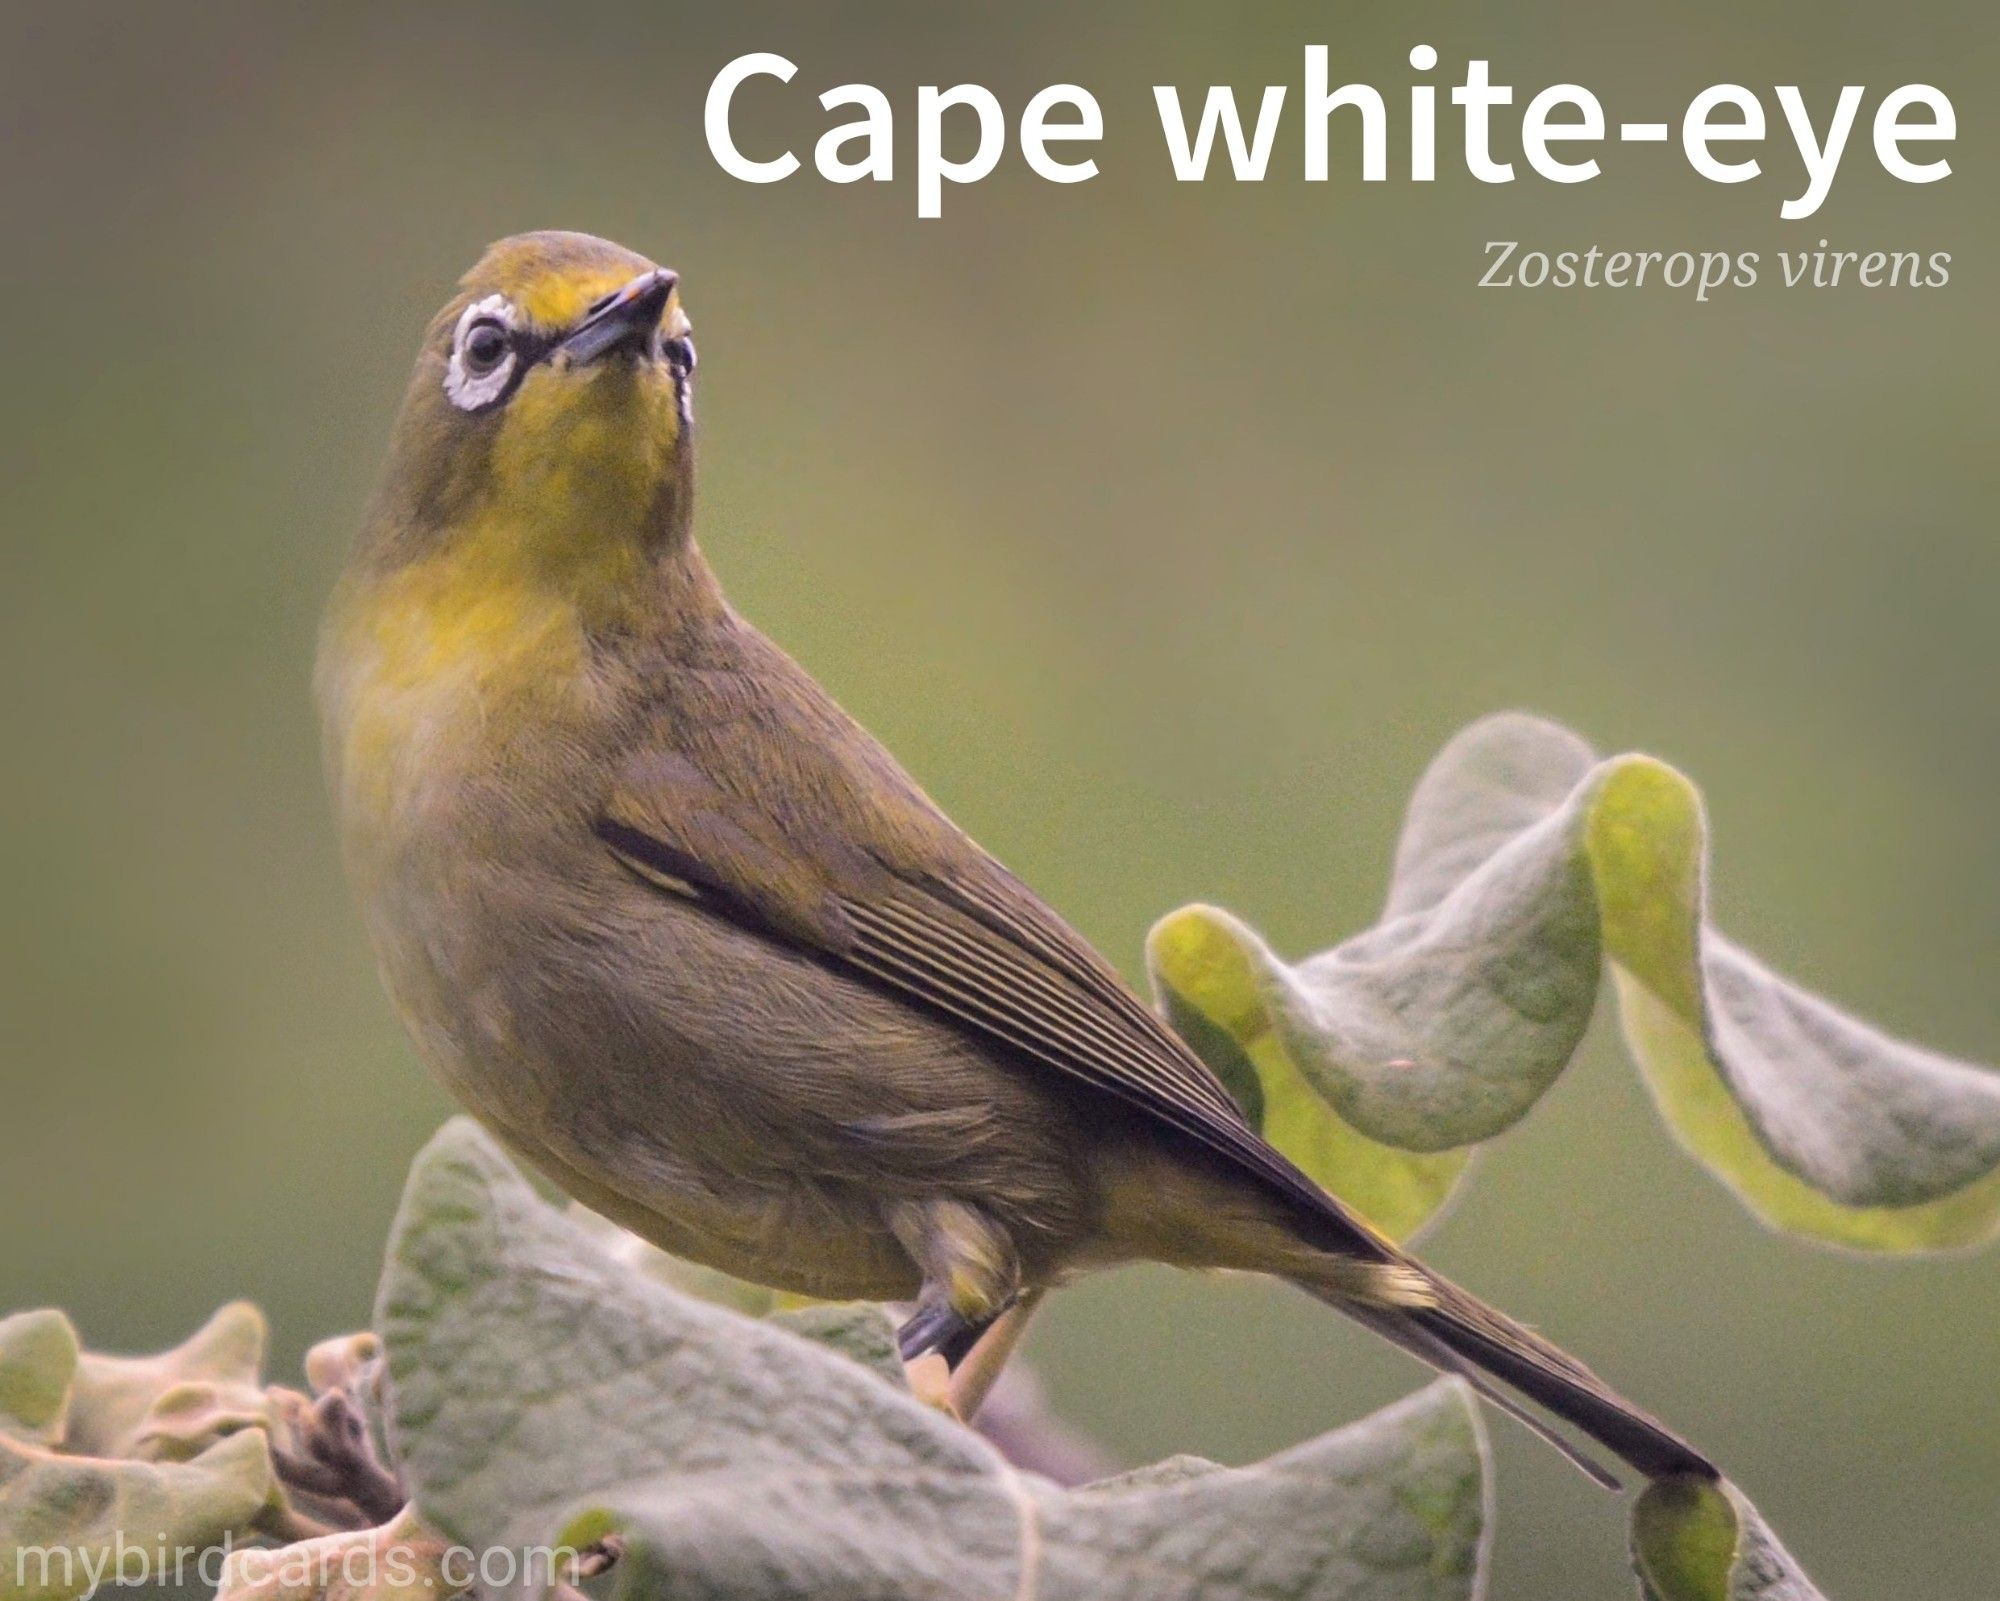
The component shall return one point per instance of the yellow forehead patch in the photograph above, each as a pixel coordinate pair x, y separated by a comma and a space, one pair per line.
555, 300
553, 278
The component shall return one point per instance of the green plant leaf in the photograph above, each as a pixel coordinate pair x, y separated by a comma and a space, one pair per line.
1699, 1540
859, 1330
85, 1515
343, 1362
542, 1392
401, 1561
1219, 987
38, 1357
173, 1406
1525, 863
110, 1460
1155, 1475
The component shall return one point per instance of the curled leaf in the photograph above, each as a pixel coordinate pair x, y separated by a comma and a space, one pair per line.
1702, 1540
543, 1394
1218, 986
112, 1466
70, 1524
342, 1363
1525, 863
400, 1561
171, 1407
38, 1357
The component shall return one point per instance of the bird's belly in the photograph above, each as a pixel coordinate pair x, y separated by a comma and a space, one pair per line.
786, 1235
728, 1099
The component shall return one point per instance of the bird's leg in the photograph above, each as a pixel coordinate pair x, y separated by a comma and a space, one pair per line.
960, 1344
972, 1379
970, 1276
937, 1327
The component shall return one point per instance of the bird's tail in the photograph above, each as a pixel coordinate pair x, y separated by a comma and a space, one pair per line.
1437, 1322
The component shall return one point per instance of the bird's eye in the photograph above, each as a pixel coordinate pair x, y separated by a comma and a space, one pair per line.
486, 346
678, 354
483, 363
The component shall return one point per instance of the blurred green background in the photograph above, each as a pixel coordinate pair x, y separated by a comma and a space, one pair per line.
1165, 532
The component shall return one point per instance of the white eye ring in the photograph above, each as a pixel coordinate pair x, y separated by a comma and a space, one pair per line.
474, 391
674, 344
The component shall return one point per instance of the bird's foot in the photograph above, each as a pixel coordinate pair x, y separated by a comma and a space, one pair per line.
939, 1326
938, 1345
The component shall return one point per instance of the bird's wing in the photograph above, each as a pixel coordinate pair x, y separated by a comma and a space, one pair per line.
825, 844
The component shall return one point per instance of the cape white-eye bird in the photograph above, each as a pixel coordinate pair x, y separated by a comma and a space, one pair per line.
687, 938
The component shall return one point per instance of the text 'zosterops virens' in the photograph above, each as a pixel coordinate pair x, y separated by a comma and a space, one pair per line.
682, 934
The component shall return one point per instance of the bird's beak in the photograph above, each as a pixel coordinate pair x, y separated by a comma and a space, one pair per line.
624, 321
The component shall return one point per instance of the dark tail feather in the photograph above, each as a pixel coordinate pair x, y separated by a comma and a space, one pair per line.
1462, 1335
1397, 1328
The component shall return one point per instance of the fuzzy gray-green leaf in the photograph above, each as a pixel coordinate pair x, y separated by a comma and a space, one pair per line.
63, 1519
543, 1392
1525, 865
38, 1358
105, 1457
1695, 1540
859, 1330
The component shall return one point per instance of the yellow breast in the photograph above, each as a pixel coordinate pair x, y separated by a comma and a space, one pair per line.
434, 672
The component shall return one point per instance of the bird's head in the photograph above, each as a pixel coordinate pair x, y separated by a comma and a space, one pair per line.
550, 411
